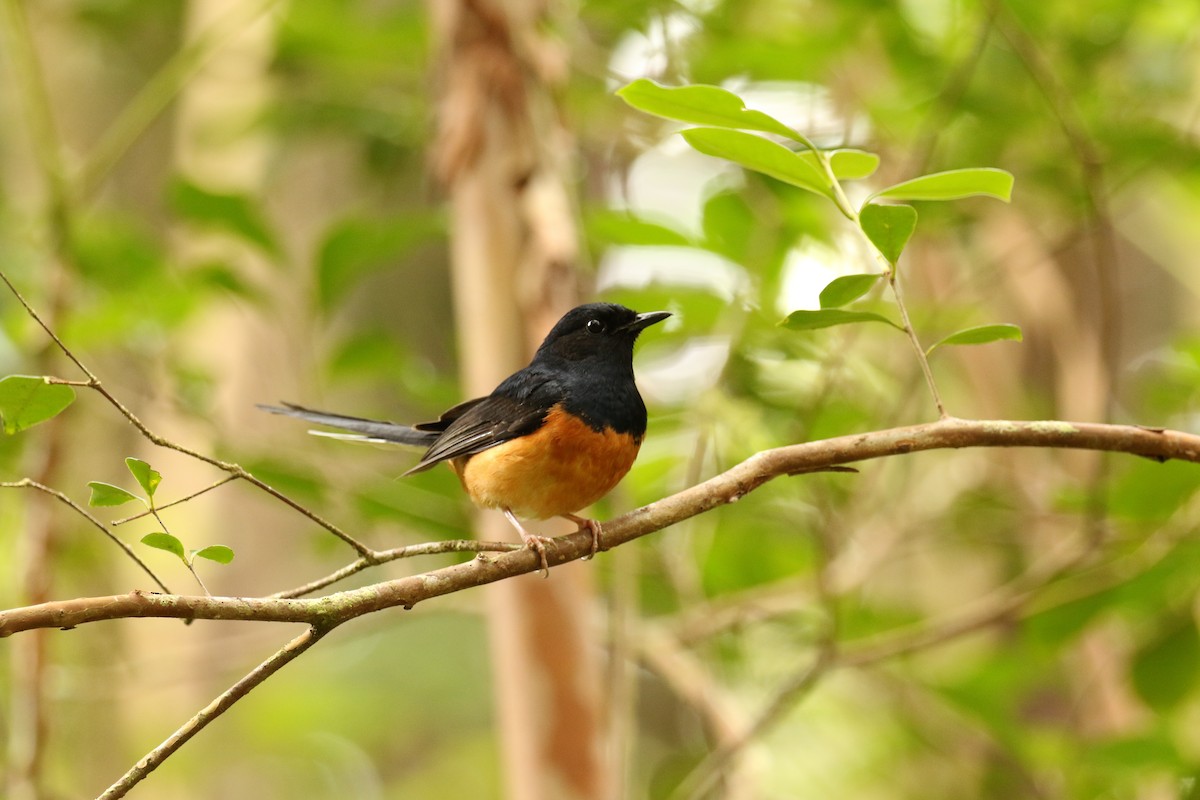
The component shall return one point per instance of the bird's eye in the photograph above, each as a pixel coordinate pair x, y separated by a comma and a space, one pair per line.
595, 326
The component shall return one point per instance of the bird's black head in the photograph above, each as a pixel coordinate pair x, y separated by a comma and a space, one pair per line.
598, 332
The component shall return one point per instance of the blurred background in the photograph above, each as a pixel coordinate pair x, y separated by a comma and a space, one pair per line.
220, 203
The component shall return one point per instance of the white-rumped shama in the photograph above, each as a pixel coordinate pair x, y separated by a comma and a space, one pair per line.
551, 439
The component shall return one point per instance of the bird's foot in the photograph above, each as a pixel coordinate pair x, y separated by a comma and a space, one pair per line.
538, 545
590, 525
532, 541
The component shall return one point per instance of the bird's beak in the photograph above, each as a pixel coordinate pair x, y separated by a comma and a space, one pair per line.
643, 321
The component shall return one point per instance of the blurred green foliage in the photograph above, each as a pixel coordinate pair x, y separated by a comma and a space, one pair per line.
322, 276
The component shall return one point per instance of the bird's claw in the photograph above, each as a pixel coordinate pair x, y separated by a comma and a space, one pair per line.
538, 545
592, 526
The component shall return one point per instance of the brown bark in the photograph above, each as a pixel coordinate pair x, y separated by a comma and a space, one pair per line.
727, 487
501, 153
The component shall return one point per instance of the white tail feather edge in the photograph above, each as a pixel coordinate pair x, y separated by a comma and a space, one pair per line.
349, 437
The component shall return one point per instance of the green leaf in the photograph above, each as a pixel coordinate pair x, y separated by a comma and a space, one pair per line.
26, 400
116, 251
888, 227
165, 541
215, 552
828, 317
1149, 493
218, 276
1150, 750
851, 165
146, 476
355, 248
729, 225
702, 105
1167, 668
620, 228
702, 307
981, 334
845, 164
847, 289
761, 155
952, 185
105, 494
234, 213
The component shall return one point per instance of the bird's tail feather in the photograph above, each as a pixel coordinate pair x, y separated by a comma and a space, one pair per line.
367, 430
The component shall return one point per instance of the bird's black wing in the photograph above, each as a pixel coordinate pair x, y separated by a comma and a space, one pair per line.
492, 420
518, 407
448, 416
368, 430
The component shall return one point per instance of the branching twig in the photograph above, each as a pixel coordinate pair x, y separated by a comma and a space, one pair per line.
1000, 605
951, 95
165, 506
1104, 252
236, 470
697, 784
27, 483
847, 209
1006, 602
701, 780
1067, 114
661, 652
187, 562
409, 551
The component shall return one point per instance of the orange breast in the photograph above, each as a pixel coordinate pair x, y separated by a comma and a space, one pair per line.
560, 468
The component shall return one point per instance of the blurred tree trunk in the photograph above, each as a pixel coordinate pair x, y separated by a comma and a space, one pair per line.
215, 145
29, 720
28, 725
502, 153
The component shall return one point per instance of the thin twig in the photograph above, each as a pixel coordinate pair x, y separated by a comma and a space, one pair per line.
158, 92
235, 470
701, 780
47, 145
785, 699
92, 379
915, 341
27, 483
192, 569
680, 669
187, 562
1104, 252
1066, 112
165, 506
951, 95
847, 209
65, 382
216, 708
409, 551
1000, 605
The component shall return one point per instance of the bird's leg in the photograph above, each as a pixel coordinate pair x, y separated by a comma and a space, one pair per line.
531, 540
593, 526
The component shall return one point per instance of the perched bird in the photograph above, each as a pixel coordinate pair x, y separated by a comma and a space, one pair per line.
551, 439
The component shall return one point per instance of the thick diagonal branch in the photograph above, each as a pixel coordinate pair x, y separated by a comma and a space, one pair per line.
728, 487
